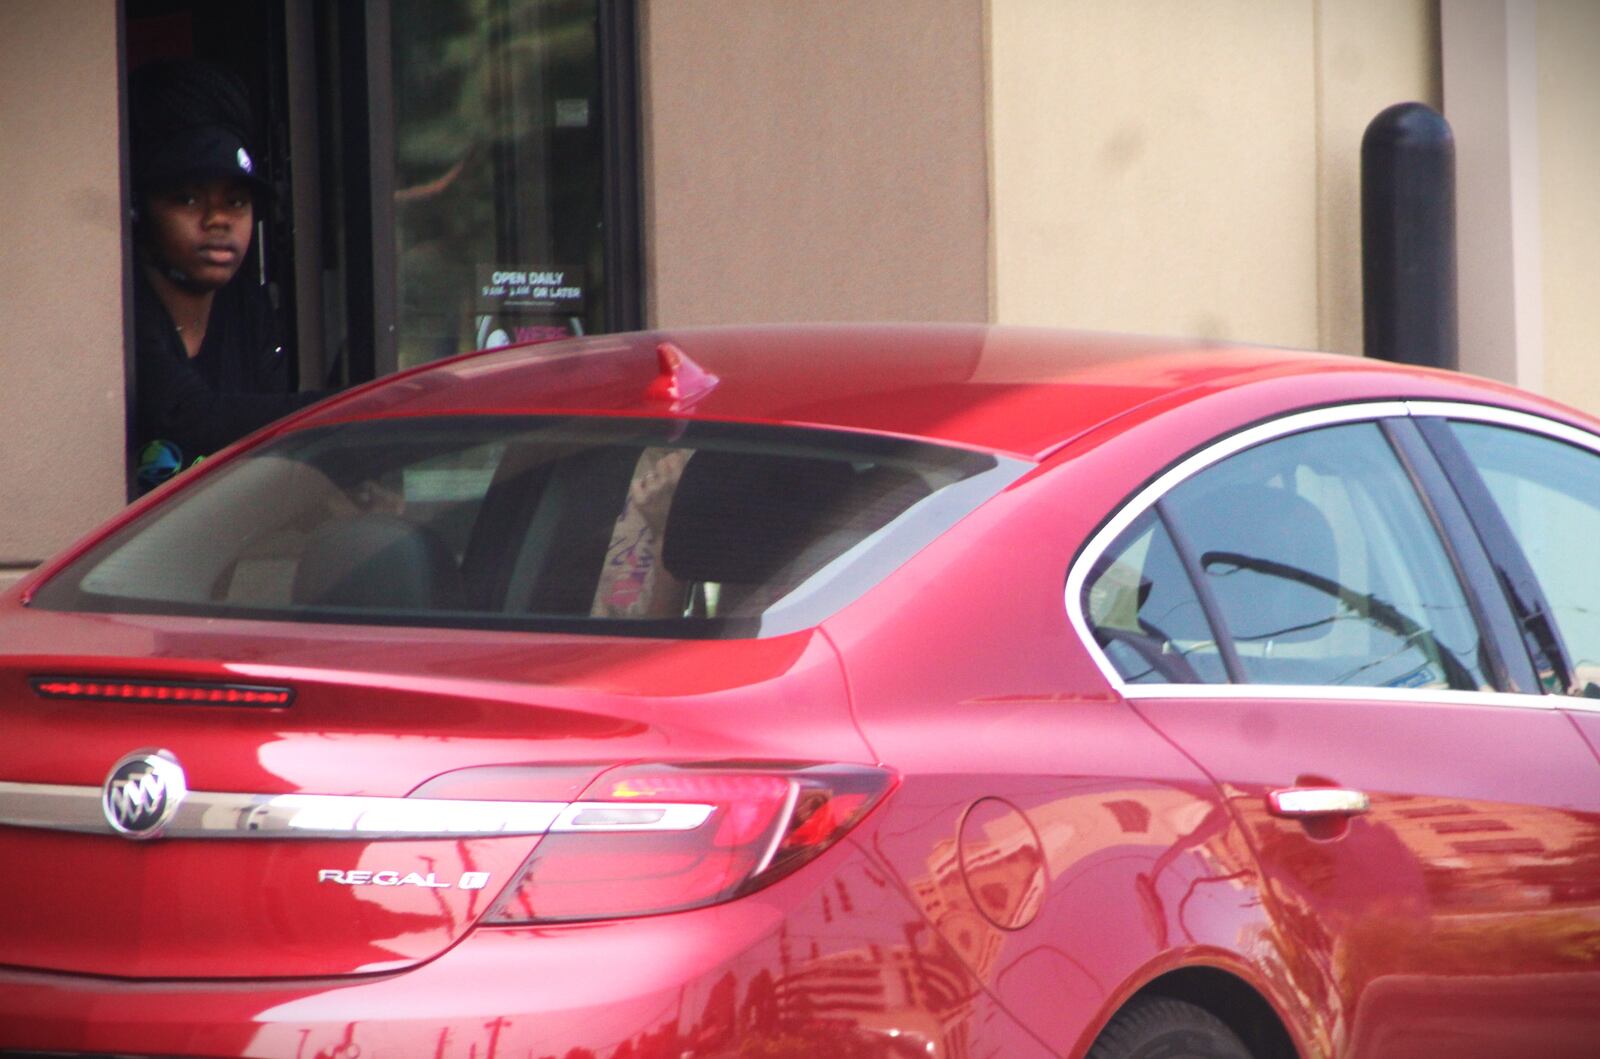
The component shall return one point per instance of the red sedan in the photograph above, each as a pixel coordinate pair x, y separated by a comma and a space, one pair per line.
825, 691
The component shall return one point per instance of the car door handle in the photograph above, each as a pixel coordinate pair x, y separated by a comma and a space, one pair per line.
1317, 801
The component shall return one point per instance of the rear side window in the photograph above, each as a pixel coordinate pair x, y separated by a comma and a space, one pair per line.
1318, 565
597, 525
1145, 613
1549, 493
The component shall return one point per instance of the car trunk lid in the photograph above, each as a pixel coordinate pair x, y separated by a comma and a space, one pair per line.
363, 827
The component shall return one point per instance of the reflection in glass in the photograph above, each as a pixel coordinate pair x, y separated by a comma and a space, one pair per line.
1145, 614
1549, 493
1325, 567
602, 526
497, 173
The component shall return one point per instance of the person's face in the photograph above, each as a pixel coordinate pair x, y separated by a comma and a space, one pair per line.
202, 228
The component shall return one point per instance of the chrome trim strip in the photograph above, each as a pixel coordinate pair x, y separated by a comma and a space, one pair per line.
1342, 693
54, 806
1294, 423
213, 814
612, 817
1505, 417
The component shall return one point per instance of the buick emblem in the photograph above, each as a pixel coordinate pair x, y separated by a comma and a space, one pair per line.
142, 793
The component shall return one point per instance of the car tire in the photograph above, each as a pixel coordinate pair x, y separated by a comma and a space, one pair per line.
1157, 1027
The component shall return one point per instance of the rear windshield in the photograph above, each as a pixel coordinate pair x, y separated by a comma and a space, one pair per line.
595, 525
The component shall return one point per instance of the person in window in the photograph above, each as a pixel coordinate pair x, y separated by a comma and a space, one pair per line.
210, 357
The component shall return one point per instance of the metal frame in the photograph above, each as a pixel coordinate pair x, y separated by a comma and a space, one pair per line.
622, 207
236, 815
366, 123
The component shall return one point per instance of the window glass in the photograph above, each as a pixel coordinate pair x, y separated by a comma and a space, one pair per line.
585, 525
1145, 614
1549, 493
498, 173
1325, 567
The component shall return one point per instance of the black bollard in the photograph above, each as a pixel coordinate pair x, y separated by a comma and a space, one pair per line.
1408, 236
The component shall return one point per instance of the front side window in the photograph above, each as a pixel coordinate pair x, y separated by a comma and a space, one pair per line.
585, 525
1318, 565
1549, 493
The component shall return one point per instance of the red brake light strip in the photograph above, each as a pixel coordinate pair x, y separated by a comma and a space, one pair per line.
105, 689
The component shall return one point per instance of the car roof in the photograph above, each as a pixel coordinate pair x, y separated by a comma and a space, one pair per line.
1019, 391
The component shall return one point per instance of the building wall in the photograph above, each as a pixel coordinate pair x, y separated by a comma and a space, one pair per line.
1567, 47
1371, 54
1192, 168
815, 161
61, 284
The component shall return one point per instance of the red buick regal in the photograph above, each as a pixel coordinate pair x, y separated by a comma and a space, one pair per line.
825, 691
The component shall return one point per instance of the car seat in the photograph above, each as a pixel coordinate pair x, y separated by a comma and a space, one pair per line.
377, 561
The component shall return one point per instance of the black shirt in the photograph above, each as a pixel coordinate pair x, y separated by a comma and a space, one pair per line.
237, 382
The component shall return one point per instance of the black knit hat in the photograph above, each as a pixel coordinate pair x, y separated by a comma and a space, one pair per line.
189, 119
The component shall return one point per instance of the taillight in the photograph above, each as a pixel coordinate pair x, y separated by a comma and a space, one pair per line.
662, 838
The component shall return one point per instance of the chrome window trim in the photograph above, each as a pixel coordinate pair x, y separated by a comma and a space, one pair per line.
1294, 423
1342, 693
217, 814
1505, 417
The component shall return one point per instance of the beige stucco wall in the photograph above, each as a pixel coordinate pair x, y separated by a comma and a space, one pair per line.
1567, 34
816, 160
61, 368
1370, 54
1190, 167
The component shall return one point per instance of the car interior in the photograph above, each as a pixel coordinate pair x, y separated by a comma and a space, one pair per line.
532, 525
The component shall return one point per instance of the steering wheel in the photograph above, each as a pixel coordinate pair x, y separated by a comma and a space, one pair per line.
1152, 648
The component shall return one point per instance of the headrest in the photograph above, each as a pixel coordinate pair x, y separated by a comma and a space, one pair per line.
1270, 557
740, 518
377, 561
